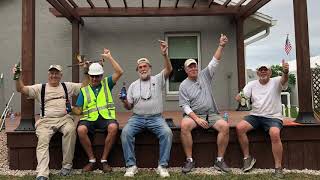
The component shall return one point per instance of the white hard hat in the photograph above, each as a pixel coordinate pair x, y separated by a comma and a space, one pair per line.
95, 69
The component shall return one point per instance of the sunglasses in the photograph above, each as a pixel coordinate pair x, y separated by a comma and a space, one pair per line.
263, 69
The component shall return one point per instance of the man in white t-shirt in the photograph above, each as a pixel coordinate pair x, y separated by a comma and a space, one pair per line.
265, 94
54, 117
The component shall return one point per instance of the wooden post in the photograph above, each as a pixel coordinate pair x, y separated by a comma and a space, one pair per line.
303, 62
28, 63
240, 55
75, 52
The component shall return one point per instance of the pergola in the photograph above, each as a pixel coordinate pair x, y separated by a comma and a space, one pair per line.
239, 11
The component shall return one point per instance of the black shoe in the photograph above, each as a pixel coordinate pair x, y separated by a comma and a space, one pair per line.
188, 166
221, 166
278, 173
41, 178
248, 164
65, 172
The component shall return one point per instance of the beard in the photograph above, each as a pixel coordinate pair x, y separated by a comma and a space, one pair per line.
145, 75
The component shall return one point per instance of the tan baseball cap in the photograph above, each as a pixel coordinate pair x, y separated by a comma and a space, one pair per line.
189, 61
143, 60
55, 66
264, 67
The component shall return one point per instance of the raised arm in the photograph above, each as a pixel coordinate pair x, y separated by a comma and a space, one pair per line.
20, 87
285, 72
117, 68
222, 43
167, 62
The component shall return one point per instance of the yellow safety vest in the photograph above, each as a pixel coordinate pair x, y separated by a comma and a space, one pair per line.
102, 104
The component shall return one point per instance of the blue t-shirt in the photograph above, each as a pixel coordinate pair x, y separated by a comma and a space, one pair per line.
96, 90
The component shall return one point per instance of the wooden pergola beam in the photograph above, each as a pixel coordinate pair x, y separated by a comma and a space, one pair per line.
151, 11
240, 54
303, 62
108, 3
75, 52
159, 4
251, 8
27, 63
226, 3
71, 11
142, 3
73, 3
61, 9
91, 3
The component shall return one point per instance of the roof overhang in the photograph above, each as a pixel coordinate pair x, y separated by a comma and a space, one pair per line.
257, 23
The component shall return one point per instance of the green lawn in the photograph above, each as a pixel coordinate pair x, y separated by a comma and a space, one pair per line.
152, 175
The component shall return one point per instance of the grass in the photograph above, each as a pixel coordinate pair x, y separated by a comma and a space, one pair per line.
176, 176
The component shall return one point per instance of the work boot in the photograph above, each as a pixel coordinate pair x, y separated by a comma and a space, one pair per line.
89, 167
106, 168
65, 172
278, 173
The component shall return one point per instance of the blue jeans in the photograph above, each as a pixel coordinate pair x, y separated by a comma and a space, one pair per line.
154, 123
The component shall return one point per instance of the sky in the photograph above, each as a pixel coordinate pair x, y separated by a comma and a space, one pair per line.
270, 50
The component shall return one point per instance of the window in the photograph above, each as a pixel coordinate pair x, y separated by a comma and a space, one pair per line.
182, 46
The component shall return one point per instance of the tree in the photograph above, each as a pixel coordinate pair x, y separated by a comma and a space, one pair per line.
277, 71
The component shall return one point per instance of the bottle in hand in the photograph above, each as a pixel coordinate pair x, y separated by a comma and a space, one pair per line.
123, 92
17, 72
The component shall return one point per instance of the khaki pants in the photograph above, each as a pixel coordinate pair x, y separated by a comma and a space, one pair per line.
45, 129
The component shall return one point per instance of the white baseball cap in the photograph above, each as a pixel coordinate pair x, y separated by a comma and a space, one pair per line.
188, 62
55, 66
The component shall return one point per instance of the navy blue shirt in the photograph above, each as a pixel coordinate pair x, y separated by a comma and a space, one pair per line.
96, 90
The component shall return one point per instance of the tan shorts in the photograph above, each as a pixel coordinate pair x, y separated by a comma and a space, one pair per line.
210, 118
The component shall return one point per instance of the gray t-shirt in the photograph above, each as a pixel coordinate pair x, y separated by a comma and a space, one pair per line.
198, 94
146, 96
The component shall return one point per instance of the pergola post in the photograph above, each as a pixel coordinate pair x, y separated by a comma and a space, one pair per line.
305, 115
75, 52
28, 63
240, 54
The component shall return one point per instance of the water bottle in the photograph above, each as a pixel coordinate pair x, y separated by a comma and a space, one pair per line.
226, 116
123, 92
68, 107
17, 73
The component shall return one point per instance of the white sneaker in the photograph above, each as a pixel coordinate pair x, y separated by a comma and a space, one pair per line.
131, 171
162, 171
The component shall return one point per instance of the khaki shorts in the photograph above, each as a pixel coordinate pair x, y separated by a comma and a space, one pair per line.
210, 118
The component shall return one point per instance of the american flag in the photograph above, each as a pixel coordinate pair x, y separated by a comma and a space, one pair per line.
287, 46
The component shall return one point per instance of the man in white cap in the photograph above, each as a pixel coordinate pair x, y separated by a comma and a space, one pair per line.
200, 110
265, 95
53, 97
96, 104
145, 98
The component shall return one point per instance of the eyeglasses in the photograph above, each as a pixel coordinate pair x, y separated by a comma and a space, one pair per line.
149, 94
95, 76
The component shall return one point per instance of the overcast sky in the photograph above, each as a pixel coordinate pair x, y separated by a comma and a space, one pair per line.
271, 49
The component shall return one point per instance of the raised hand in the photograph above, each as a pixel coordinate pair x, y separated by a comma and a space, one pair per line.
223, 40
163, 47
106, 54
285, 67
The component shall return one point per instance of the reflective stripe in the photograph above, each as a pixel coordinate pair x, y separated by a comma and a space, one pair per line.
88, 94
106, 94
98, 109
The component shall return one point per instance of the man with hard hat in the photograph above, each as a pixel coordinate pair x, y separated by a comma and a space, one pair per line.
265, 95
200, 110
53, 97
145, 98
96, 104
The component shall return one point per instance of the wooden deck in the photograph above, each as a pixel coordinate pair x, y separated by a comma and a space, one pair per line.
301, 145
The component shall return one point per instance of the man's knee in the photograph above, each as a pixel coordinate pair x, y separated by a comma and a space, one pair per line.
82, 130
166, 132
43, 140
274, 133
223, 127
242, 128
186, 125
113, 128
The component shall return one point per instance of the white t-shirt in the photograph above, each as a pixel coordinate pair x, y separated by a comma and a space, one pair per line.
146, 96
266, 99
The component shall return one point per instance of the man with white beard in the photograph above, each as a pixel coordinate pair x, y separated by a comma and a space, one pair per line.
145, 98
265, 94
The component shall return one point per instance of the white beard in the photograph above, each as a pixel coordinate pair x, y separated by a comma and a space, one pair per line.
144, 76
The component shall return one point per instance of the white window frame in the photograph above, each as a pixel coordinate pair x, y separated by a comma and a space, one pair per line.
167, 35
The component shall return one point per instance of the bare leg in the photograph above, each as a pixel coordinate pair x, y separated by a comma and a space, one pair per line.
242, 128
85, 141
187, 125
110, 139
276, 143
223, 136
